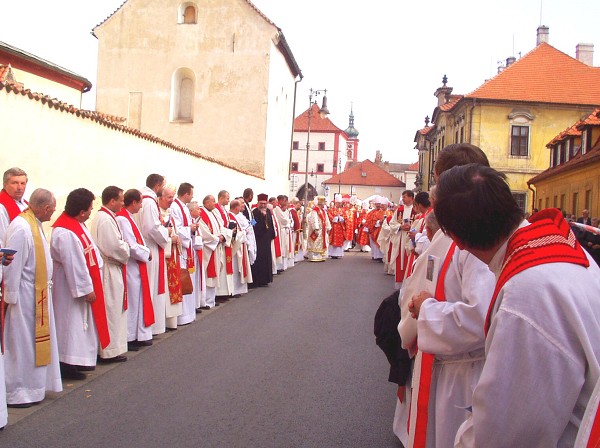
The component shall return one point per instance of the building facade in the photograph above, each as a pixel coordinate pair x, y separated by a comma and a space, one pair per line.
224, 88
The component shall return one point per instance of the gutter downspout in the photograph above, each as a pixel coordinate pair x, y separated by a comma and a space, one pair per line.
292, 132
534, 191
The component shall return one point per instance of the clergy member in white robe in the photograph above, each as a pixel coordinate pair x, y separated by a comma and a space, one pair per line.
74, 290
140, 312
27, 376
212, 250
225, 274
156, 237
11, 197
3, 408
284, 224
242, 273
182, 219
115, 254
199, 275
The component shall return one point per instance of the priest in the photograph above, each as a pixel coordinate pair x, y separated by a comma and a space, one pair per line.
78, 294
318, 231
140, 312
31, 351
213, 253
262, 269
115, 254
242, 274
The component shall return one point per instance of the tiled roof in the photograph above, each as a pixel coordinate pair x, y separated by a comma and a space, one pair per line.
569, 132
109, 121
544, 75
414, 166
451, 103
20, 57
579, 160
317, 124
374, 176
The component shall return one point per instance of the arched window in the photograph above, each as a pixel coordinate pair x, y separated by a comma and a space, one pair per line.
182, 95
187, 13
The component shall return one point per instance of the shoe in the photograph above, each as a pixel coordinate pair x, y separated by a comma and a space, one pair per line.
205, 307
168, 329
147, 343
70, 372
237, 296
217, 304
18, 406
132, 347
118, 358
86, 368
279, 271
198, 311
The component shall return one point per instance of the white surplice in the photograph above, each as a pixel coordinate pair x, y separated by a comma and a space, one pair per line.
75, 326
136, 329
199, 275
155, 235
188, 306
542, 358
210, 240
115, 253
5, 221
225, 280
240, 258
284, 223
26, 383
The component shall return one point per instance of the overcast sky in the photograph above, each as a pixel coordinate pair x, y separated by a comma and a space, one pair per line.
386, 57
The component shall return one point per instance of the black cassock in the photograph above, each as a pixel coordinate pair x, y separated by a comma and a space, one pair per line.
262, 269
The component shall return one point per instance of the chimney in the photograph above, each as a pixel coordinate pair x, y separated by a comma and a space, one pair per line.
543, 34
510, 61
585, 53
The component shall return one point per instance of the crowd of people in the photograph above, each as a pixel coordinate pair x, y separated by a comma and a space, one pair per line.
494, 334
148, 261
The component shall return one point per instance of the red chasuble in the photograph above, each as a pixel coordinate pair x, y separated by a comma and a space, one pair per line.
427, 359
548, 239
123, 266
98, 307
277, 241
161, 255
147, 307
211, 269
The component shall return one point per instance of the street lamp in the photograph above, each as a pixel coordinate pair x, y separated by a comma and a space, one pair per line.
323, 112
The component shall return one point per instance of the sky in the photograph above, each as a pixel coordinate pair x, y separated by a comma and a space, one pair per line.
383, 58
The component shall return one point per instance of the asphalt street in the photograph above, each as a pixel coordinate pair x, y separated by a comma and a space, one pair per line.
291, 365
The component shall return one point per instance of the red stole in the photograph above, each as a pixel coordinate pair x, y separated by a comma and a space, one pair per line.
211, 269
228, 251
244, 250
199, 254
277, 240
147, 307
98, 307
411, 259
548, 239
321, 215
161, 254
10, 205
123, 266
427, 360
190, 256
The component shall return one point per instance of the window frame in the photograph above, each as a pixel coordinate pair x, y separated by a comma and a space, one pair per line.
521, 139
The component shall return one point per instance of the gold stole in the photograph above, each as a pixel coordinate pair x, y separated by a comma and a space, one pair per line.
42, 318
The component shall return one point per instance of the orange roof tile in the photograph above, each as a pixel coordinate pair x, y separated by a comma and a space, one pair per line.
592, 119
317, 124
374, 176
451, 103
109, 121
414, 166
569, 132
544, 75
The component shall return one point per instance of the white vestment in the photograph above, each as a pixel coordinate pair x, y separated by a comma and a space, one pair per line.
240, 258
172, 310
210, 240
26, 383
317, 249
453, 332
250, 238
136, 329
188, 305
225, 280
284, 223
199, 275
5, 221
542, 358
155, 235
75, 326
386, 240
115, 253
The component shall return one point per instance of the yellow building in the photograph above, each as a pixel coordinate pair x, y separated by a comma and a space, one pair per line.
572, 183
512, 116
215, 76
